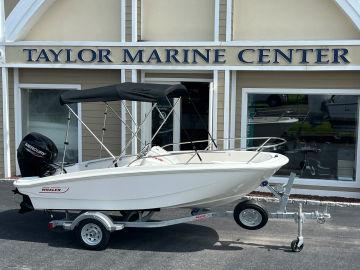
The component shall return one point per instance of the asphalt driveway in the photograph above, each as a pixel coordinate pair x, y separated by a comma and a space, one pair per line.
25, 243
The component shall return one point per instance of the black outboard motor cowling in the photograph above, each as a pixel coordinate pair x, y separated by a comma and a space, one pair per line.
36, 155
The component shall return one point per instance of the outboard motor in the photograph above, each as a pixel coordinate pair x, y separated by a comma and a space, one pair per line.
36, 155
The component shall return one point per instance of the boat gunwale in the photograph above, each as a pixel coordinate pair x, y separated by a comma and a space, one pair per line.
149, 170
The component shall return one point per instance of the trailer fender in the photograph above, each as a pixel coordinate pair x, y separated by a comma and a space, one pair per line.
101, 217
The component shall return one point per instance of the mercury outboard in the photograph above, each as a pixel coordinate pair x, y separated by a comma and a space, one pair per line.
36, 155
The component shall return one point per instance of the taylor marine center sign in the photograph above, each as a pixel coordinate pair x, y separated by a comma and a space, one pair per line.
186, 56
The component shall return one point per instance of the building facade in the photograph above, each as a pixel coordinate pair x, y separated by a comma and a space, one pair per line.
256, 68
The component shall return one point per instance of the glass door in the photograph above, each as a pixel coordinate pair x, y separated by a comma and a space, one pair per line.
195, 115
185, 124
170, 132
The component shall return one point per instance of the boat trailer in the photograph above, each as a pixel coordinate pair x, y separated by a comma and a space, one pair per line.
93, 228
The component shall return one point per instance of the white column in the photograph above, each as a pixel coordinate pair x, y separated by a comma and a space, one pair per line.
123, 116
122, 74
244, 112
233, 109
226, 109
176, 124
123, 20
5, 95
134, 106
229, 12
145, 109
17, 114
134, 21
122, 71
211, 103
214, 103
217, 20
6, 126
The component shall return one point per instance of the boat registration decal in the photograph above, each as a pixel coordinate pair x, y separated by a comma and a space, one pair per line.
54, 189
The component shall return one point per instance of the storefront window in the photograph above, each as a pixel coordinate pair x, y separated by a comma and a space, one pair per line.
42, 113
321, 132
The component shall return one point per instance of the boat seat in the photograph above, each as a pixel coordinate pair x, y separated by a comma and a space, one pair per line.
158, 156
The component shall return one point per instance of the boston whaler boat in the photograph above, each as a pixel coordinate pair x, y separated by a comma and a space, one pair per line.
138, 185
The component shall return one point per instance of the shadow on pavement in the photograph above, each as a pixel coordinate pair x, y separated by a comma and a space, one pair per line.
267, 247
32, 227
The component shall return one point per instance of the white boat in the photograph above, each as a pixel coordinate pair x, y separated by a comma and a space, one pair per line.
271, 125
267, 120
222, 177
342, 108
151, 180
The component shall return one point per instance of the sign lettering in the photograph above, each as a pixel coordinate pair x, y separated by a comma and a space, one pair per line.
227, 55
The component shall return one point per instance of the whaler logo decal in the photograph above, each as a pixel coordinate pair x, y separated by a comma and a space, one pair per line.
54, 189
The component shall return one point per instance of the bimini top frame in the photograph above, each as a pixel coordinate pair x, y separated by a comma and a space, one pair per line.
143, 92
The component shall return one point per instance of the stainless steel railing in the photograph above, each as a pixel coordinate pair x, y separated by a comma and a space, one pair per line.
257, 149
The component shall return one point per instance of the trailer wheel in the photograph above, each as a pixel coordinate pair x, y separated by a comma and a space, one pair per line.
250, 215
92, 234
295, 246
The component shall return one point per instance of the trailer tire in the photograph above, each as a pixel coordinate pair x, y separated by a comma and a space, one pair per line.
92, 234
250, 215
295, 246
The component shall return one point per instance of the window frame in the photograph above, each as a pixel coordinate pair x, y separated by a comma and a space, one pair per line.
18, 116
145, 107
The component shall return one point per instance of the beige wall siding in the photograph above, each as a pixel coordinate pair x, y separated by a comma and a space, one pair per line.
9, 6
128, 23
174, 20
12, 127
88, 20
252, 20
128, 4
220, 104
222, 21
139, 21
330, 80
291, 20
92, 112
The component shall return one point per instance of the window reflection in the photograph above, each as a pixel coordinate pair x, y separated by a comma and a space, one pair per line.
42, 113
320, 131
165, 134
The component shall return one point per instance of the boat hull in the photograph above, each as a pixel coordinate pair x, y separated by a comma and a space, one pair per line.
134, 188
